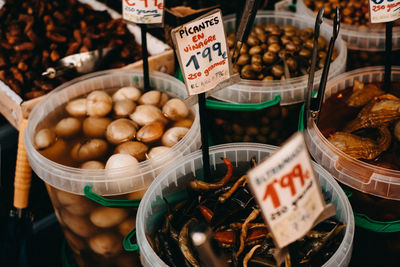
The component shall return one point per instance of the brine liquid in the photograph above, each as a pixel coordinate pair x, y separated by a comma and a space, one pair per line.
335, 114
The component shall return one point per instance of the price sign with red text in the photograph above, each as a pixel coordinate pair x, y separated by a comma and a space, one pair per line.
143, 11
203, 52
384, 10
288, 192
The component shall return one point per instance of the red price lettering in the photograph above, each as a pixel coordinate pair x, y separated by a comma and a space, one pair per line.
130, 2
193, 76
285, 181
156, 4
377, 8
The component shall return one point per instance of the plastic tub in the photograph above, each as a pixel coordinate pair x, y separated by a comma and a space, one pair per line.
277, 102
376, 198
95, 232
365, 45
171, 184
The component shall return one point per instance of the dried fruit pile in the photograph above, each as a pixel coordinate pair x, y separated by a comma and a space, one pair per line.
35, 34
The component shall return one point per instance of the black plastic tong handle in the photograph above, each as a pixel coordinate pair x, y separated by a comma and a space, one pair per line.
246, 22
310, 86
317, 103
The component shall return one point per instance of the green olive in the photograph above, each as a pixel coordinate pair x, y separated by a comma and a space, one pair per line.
256, 59
243, 59
277, 71
305, 53
247, 73
274, 48
292, 63
256, 67
255, 50
252, 41
273, 40
269, 57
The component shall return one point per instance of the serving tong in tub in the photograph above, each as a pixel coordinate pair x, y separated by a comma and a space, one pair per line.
313, 104
81, 63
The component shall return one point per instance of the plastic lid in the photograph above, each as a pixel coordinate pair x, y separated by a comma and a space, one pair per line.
172, 181
359, 175
106, 182
358, 37
291, 90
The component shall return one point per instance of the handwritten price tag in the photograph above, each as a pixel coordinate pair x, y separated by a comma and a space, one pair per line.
203, 52
384, 10
288, 192
143, 11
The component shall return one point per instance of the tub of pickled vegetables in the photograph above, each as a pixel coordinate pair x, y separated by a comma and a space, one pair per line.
365, 41
273, 65
357, 141
98, 142
176, 202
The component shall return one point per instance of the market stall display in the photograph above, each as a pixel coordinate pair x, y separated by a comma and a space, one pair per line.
275, 103
37, 34
172, 184
365, 41
94, 230
356, 143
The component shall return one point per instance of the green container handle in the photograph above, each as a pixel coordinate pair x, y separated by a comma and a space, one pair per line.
300, 125
111, 203
214, 104
365, 222
128, 245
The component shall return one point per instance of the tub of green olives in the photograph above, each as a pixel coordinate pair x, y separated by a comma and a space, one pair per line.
273, 64
88, 133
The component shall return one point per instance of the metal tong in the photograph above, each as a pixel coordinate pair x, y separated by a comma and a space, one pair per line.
202, 239
81, 63
246, 22
313, 105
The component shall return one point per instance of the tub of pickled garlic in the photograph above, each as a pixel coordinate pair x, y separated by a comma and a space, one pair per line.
273, 64
357, 141
98, 142
365, 41
170, 200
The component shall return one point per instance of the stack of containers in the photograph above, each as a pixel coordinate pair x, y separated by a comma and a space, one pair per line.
94, 226
365, 44
374, 192
172, 183
267, 111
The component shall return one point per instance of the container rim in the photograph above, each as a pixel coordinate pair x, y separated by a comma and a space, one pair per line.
147, 252
385, 176
102, 175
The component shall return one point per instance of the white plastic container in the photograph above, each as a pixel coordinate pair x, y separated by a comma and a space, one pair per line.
175, 180
374, 191
365, 45
275, 104
357, 37
359, 175
94, 232
293, 90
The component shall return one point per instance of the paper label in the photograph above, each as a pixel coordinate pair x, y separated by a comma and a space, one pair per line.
288, 192
203, 52
143, 11
384, 10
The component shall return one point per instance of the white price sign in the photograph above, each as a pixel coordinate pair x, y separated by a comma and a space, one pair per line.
203, 52
288, 192
384, 10
143, 11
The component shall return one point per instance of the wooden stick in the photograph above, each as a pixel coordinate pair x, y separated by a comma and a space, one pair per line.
23, 172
